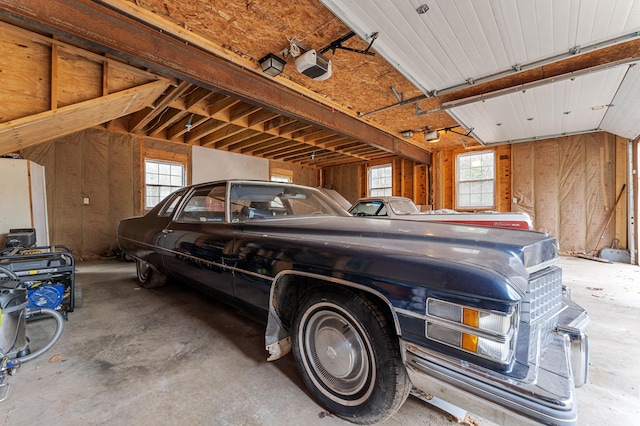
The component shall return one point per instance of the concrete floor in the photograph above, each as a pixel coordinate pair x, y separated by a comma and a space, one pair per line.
171, 356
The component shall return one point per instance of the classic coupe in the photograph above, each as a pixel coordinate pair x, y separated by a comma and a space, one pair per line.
394, 207
375, 309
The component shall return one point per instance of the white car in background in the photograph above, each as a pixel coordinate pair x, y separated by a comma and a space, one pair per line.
404, 208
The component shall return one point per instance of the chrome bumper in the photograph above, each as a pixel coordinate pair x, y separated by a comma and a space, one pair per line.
545, 396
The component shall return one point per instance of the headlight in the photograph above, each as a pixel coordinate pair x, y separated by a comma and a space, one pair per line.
485, 333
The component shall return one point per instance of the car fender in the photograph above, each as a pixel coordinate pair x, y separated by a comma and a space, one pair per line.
277, 339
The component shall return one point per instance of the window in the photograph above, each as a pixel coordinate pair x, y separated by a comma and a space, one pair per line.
281, 175
206, 204
280, 178
161, 178
380, 180
475, 180
171, 204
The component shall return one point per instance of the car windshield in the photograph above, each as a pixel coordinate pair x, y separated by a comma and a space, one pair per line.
369, 208
269, 201
403, 206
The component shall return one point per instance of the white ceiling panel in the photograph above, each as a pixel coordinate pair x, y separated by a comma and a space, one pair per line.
623, 118
569, 106
457, 41
460, 42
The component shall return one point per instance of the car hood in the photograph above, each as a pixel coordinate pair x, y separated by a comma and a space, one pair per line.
500, 249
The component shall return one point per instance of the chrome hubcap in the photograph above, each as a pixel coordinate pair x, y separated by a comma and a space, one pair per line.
337, 353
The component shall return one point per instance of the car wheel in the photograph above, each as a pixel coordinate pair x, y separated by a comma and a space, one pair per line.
149, 277
349, 356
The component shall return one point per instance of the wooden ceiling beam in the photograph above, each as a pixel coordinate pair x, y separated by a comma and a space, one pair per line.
221, 110
196, 96
287, 149
247, 144
207, 127
292, 128
333, 141
281, 154
118, 29
225, 131
302, 134
180, 128
241, 111
266, 143
238, 137
142, 118
319, 155
276, 123
318, 136
258, 118
332, 162
37, 128
168, 118
279, 144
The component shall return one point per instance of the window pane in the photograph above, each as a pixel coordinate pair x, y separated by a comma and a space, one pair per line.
280, 178
164, 180
161, 179
152, 179
151, 167
176, 170
164, 169
380, 180
475, 179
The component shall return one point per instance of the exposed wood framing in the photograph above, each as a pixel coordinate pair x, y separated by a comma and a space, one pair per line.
102, 28
32, 130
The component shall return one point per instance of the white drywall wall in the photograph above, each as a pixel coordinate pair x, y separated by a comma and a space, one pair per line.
212, 164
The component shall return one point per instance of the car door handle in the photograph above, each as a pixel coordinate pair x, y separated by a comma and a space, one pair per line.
167, 231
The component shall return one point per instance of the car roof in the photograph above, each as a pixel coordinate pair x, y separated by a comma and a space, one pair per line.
382, 198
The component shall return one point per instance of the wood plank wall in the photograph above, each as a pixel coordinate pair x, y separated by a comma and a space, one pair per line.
569, 186
444, 177
410, 179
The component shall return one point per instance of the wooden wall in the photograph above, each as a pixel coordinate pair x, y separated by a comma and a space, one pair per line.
106, 167
300, 175
100, 166
409, 179
569, 187
347, 180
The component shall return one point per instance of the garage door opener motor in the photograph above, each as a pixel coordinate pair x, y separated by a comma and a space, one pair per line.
14, 312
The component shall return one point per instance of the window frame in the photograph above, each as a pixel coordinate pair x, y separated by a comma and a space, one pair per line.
458, 181
173, 188
370, 178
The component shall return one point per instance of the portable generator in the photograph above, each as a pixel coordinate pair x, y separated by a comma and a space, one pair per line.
48, 274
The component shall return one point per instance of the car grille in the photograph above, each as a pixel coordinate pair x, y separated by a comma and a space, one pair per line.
544, 295
539, 306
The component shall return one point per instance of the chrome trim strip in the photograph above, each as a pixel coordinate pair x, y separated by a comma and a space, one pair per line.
281, 274
531, 397
200, 260
492, 335
340, 282
412, 314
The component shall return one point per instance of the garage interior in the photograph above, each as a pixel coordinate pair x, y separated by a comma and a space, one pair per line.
91, 89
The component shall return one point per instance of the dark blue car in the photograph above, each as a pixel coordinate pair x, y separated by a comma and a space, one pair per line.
375, 309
